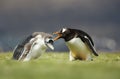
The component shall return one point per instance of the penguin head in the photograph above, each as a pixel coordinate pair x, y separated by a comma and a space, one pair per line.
44, 39
63, 33
49, 43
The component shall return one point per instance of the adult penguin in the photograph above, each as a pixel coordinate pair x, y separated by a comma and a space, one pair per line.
80, 44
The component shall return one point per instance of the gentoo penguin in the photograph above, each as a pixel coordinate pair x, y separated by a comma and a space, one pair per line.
80, 44
33, 46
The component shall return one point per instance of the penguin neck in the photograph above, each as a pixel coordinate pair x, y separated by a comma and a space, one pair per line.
69, 36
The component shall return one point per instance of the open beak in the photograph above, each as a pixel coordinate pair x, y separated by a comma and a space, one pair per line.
50, 44
59, 35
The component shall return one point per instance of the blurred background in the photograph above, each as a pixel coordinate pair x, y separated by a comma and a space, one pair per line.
99, 18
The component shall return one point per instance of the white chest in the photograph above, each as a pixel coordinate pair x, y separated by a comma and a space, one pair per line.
77, 45
36, 50
78, 49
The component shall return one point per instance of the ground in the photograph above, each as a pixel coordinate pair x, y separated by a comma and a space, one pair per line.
54, 65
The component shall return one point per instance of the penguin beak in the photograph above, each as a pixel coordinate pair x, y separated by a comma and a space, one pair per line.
50, 44
59, 35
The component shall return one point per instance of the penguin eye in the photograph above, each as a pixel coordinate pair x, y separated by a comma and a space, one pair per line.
60, 31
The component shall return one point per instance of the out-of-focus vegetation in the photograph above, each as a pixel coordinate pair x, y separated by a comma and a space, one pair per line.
55, 65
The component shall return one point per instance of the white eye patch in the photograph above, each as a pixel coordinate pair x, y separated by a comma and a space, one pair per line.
63, 30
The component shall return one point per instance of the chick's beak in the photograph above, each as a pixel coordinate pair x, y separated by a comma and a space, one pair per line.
59, 35
50, 44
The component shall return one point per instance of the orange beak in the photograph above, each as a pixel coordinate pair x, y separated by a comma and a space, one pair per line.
59, 35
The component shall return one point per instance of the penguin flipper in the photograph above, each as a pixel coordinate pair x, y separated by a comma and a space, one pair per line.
17, 52
19, 49
90, 45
